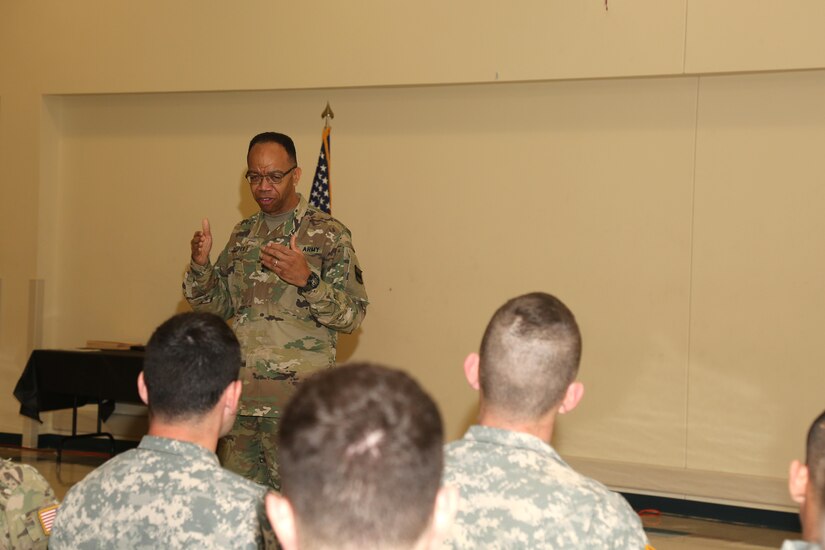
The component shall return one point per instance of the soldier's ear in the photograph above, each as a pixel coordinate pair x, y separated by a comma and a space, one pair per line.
471, 370
142, 391
798, 481
574, 394
282, 518
232, 395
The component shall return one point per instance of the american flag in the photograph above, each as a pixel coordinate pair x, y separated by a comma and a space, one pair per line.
46, 516
321, 194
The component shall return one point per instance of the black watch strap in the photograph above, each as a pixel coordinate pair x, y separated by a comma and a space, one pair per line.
312, 283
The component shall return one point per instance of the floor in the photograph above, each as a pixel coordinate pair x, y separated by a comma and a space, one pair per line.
665, 532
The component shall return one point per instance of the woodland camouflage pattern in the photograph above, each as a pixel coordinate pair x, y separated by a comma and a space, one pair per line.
23, 492
164, 494
517, 492
251, 449
284, 335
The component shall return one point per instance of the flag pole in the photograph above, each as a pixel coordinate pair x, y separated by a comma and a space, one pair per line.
321, 193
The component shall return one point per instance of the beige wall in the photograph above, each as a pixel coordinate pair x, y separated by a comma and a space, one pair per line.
675, 210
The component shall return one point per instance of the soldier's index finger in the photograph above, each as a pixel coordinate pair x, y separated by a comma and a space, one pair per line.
205, 224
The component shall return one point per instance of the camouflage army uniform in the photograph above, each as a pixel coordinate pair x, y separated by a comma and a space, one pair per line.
163, 494
284, 335
517, 492
25, 500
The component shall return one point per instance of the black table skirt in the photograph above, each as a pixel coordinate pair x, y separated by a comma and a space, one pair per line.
62, 379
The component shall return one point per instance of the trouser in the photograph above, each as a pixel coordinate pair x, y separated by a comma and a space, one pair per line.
251, 449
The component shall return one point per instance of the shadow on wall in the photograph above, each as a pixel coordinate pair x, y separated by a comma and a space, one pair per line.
347, 343
246, 204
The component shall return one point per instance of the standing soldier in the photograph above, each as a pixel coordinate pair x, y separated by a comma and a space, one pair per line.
289, 281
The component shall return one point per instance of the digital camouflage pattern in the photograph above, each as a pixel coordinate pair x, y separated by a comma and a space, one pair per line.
23, 493
517, 492
163, 494
284, 335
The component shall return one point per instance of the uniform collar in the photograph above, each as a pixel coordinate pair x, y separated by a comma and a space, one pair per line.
509, 438
290, 225
190, 451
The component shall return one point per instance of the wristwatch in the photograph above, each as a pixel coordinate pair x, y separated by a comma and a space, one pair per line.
312, 283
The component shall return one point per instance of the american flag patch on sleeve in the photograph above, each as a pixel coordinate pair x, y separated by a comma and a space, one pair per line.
46, 516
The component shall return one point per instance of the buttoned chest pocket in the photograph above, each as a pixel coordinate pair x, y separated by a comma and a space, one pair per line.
245, 270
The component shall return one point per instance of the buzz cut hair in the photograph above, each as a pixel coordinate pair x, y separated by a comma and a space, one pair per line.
529, 356
360, 457
815, 458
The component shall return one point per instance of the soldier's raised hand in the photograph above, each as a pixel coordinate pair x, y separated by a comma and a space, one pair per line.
202, 244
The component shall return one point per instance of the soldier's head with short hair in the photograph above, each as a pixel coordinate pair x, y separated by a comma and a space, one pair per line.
273, 172
360, 458
807, 482
275, 137
529, 356
189, 362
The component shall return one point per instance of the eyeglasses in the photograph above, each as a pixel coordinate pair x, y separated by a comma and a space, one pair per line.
274, 178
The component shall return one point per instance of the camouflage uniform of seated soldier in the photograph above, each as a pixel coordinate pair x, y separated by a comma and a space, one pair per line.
28, 504
171, 492
516, 491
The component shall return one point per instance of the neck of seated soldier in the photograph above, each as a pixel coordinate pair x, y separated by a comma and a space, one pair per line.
541, 427
293, 534
428, 541
203, 430
809, 514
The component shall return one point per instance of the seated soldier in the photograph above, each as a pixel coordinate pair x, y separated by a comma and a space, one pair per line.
361, 455
516, 491
28, 507
171, 492
806, 484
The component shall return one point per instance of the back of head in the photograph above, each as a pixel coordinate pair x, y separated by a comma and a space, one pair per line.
274, 137
190, 360
529, 356
360, 458
815, 461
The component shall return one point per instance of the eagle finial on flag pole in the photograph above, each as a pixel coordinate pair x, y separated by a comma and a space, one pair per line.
320, 195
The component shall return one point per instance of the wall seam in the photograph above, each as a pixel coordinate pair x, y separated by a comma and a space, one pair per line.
690, 268
684, 43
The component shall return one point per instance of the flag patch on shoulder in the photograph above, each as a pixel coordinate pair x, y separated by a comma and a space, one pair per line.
46, 516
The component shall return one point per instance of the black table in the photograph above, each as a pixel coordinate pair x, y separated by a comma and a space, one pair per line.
68, 379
